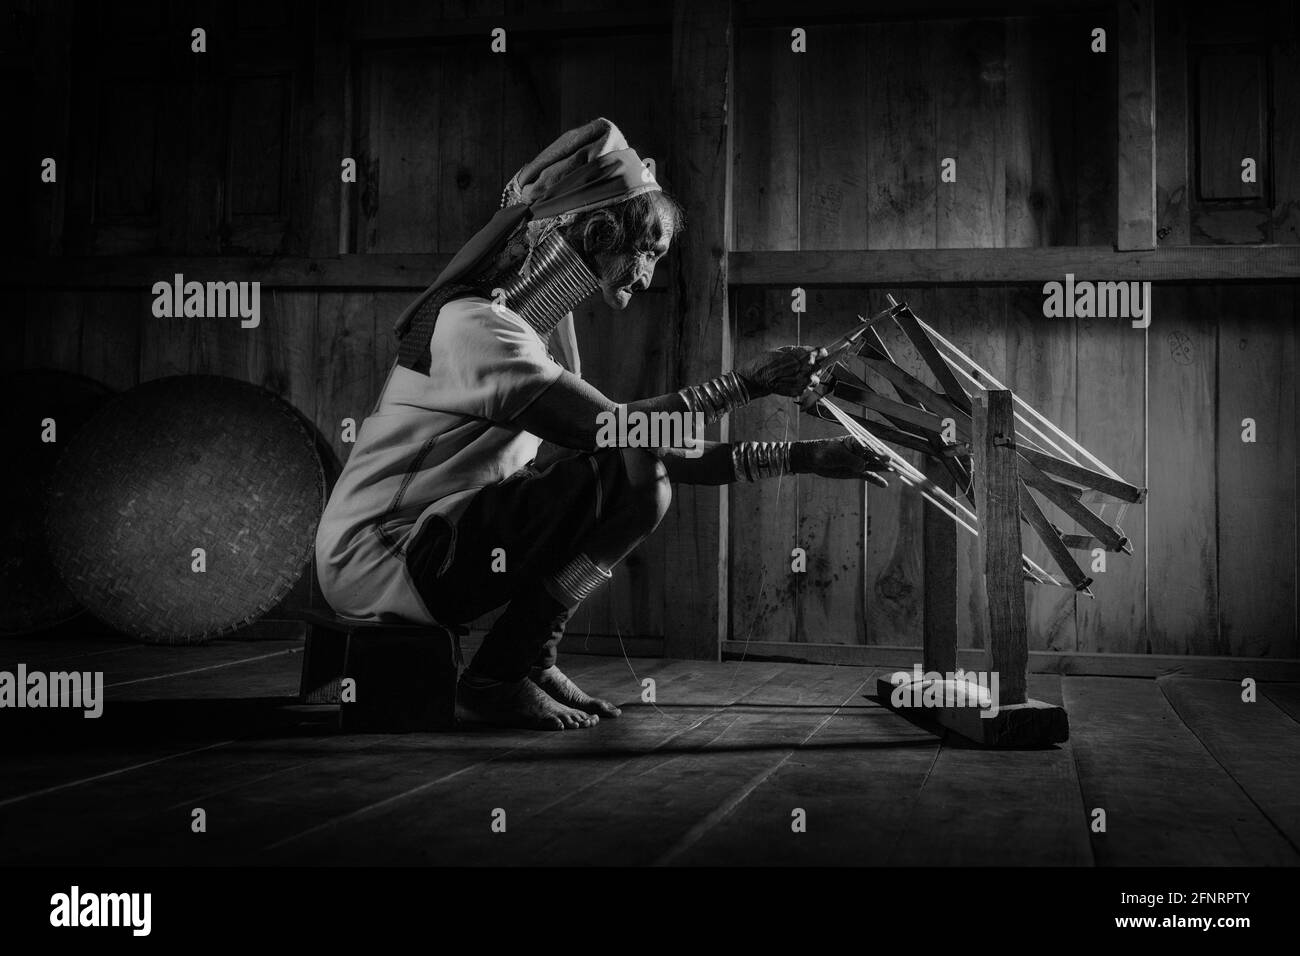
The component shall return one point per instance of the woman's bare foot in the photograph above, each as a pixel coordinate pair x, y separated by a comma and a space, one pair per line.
557, 684
519, 704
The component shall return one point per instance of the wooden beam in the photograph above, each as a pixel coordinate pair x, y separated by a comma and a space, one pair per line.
1053, 540
1087, 477
894, 267
939, 368
348, 272
1112, 538
997, 487
866, 267
939, 570
916, 393
1136, 147
962, 706
1081, 542
914, 390
895, 436
699, 171
895, 411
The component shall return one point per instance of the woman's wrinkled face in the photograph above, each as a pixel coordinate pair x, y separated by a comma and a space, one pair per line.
623, 274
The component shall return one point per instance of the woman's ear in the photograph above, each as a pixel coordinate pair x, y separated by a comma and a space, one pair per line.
601, 232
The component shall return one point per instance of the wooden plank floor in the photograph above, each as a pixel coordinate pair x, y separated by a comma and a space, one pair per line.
1167, 800
714, 771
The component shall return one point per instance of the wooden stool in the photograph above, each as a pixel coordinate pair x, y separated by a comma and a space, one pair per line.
403, 675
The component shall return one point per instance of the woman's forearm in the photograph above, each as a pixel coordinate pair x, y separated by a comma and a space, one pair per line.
713, 465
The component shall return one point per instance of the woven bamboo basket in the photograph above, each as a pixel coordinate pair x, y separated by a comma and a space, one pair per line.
186, 509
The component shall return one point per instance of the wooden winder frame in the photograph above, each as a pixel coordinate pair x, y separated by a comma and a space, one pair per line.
981, 438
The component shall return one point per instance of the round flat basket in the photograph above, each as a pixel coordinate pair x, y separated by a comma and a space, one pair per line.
187, 508
36, 405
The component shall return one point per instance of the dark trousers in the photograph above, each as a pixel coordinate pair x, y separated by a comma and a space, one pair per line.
537, 520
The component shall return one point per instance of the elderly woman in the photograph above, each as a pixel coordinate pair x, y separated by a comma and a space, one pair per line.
443, 513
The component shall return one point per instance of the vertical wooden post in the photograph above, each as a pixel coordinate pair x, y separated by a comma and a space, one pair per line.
997, 493
1136, 144
1007, 717
320, 223
939, 560
50, 113
1173, 226
699, 172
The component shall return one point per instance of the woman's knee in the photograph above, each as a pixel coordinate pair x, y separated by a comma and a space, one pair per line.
647, 492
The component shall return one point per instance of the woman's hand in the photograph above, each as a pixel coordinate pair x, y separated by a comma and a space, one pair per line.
784, 371
845, 457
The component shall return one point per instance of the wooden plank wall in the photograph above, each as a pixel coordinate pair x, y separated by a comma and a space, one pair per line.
438, 126
1028, 112
836, 148
1214, 563
817, 170
1019, 103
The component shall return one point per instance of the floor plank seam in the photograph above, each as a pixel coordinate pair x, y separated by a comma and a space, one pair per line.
201, 670
10, 801
1214, 757
371, 807
199, 800
626, 763
1078, 781
698, 832
1083, 800
1285, 713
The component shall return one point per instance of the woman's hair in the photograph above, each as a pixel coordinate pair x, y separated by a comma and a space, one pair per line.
626, 227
